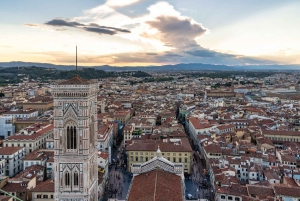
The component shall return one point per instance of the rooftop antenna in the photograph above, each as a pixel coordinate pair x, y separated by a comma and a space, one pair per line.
76, 62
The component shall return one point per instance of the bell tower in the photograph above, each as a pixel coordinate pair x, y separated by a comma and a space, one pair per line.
75, 150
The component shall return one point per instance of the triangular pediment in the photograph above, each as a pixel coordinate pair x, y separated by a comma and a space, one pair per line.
158, 162
70, 113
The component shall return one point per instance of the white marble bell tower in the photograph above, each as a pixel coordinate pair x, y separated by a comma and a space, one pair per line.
75, 135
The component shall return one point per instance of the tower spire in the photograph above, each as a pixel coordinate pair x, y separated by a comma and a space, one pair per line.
76, 62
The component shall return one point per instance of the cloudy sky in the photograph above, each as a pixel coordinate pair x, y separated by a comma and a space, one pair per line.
149, 32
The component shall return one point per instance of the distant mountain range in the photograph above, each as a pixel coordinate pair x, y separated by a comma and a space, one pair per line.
176, 67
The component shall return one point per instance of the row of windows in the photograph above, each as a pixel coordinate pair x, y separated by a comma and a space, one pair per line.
68, 179
226, 130
43, 196
31, 163
283, 139
141, 159
24, 144
230, 198
212, 154
152, 153
8, 121
239, 123
16, 156
72, 136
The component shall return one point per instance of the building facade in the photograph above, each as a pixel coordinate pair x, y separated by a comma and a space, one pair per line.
174, 150
7, 127
13, 157
105, 137
39, 105
75, 150
31, 138
29, 113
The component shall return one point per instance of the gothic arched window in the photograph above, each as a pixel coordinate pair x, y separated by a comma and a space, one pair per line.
67, 179
92, 131
76, 179
68, 137
71, 137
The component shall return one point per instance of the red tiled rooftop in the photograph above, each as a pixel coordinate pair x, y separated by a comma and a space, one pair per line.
283, 190
102, 154
9, 150
152, 145
283, 133
197, 125
75, 80
156, 185
40, 130
45, 186
15, 187
38, 155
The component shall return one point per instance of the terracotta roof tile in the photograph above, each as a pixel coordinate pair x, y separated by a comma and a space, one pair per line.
282, 190
75, 80
260, 191
40, 130
45, 186
15, 187
9, 150
156, 185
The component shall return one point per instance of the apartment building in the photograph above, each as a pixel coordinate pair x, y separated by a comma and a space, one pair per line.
31, 138
225, 128
7, 127
123, 116
29, 113
127, 133
13, 159
174, 150
280, 136
41, 104
197, 127
105, 137
44, 191
37, 157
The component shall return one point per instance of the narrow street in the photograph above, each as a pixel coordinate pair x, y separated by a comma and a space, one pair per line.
198, 185
119, 178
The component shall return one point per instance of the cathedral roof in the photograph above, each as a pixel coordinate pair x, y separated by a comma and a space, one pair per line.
75, 80
156, 185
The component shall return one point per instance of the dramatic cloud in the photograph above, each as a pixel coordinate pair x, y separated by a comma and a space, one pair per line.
162, 35
61, 22
207, 53
111, 28
170, 54
176, 31
99, 30
92, 27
